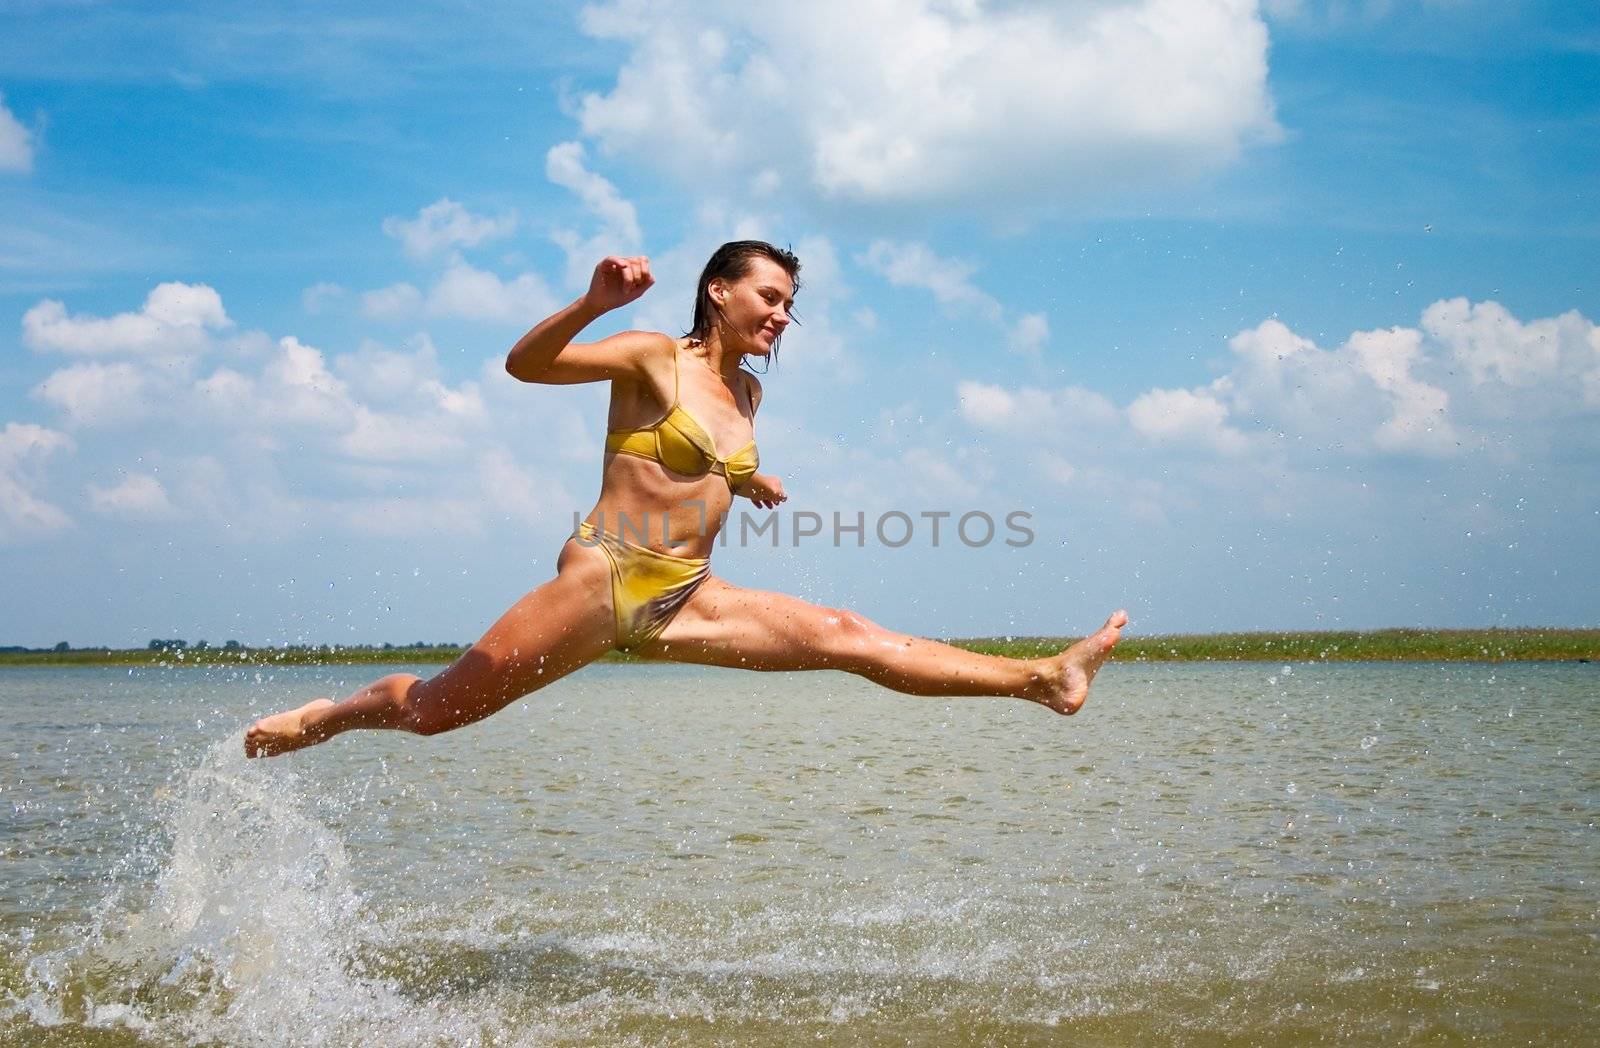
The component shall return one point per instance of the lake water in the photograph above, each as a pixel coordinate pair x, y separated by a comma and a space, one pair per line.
639, 855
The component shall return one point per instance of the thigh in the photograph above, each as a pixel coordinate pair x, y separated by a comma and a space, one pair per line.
728, 625
555, 629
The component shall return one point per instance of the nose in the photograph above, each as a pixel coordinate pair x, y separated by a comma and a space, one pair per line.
780, 320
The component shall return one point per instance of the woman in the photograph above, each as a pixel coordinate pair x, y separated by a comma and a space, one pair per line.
636, 574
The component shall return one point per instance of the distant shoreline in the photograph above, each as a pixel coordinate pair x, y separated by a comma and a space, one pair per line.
1523, 644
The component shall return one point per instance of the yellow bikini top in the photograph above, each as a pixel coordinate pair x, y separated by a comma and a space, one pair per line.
680, 443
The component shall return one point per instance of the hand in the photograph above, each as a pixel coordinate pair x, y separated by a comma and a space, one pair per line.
618, 281
764, 490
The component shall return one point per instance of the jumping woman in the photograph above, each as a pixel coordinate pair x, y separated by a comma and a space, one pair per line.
636, 575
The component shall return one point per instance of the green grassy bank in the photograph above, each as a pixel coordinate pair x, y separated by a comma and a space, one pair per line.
1421, 645
1417, 645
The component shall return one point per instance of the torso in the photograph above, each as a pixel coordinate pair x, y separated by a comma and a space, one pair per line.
682, 511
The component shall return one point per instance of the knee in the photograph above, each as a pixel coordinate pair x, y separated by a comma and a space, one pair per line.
847, 634
403, 693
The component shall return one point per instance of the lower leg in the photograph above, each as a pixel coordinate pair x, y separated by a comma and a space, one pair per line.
553, 630
917, 666
382, 704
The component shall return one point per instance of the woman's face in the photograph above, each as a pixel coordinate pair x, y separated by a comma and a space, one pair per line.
755, 307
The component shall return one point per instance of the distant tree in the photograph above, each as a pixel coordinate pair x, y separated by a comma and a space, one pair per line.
63, 646
232, 645
201, 645
387, 646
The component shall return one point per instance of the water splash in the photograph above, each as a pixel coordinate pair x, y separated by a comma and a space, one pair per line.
249, 932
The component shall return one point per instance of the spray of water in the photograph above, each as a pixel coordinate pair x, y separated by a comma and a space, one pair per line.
250, 931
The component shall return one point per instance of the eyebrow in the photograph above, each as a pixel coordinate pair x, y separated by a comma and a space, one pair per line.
788, 303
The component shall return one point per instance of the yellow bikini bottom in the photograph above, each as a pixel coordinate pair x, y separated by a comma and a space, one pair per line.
647, 588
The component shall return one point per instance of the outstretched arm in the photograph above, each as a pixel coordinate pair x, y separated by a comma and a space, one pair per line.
548, 354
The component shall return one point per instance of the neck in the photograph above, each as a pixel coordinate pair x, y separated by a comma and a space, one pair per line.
723, 360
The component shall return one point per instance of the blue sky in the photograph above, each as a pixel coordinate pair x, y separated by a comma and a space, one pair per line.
1272, 316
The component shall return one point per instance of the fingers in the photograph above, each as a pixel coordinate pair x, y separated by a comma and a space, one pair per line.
633, 272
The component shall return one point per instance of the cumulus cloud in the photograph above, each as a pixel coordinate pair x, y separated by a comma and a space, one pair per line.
1167, 416
931, 101
396, 302
138, 496
618, 232
914, 264
318, 297
477, 294
23, 511
16, 142
1023, 410
1417, 417
1030, 333
1439, 389
1495, 347
446, 225
97, 394
465, 291
176, 318
279, 418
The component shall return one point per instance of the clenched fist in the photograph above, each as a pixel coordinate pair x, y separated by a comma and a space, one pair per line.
618, 281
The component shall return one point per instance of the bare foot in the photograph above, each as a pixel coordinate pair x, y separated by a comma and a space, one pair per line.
1073, 669
283, 732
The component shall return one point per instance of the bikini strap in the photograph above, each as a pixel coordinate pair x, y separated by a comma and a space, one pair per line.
674, 376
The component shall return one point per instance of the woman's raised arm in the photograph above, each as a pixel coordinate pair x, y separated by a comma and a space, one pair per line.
548, 354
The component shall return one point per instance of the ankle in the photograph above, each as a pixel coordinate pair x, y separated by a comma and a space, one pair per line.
1041, 679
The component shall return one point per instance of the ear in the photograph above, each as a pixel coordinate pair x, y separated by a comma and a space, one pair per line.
718, 289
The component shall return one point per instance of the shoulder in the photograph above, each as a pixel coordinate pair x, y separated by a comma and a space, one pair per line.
646, 344
752, 387
652, 354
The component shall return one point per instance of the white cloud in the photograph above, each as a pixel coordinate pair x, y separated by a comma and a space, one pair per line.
1168, 416
138, 496
445, 224
380, 437
1494, 345
1470, 377
16, 142
23, 512
914, 264
619, 223
1417, 420
923, 100
1030, 333
318, 297
395, 302
517, 491
1039, 412
176, 319
465, 291
380, 373
477, 294
97, 394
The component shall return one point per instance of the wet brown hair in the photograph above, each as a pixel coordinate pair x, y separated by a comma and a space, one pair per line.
731, 262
